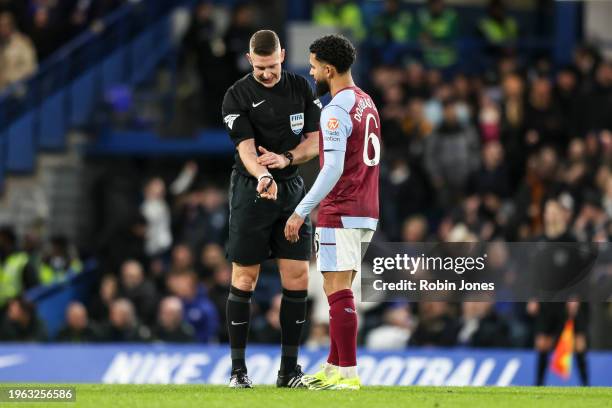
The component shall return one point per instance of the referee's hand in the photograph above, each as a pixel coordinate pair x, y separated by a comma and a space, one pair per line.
271, 160
267, 190
292, 228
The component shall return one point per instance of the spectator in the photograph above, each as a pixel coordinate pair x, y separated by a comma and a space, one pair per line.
435, 326
19, 10
344, 15
395, 331
77, 328
415, 86
567, 96
182, 259
491, 182
417, 129
60, 260
451, 155
32, 247
482, 327
318, 336
123, 326
236, 41
596, 102
170, 327
392, 113
13, 277
404, 193
17, 54
157, 214
203, 217
513, 125
414, 229
543, 120
437, 28
128, 242
203, 43
393, 25
489, 120
266, 329
212, 257
47, 28
138, 290
591, 219
199, 310
99, 306
21, 323
539, 183
218, 296
499, 30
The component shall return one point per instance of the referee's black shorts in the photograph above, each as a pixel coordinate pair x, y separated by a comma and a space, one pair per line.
552, 316
257, 228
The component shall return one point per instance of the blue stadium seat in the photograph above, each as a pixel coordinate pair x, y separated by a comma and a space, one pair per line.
82, 95
21, 144
52, 130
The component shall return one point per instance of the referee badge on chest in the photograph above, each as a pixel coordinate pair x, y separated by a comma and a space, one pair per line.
297, 122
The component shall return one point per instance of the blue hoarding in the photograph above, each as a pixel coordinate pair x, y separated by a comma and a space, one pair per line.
178, 364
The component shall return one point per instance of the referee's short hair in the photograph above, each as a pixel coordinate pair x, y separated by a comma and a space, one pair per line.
264, 43
336, 50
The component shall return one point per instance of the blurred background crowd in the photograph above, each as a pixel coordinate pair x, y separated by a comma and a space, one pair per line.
495, 144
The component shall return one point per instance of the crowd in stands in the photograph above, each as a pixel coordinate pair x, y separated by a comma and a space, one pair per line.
519, 152
31, 30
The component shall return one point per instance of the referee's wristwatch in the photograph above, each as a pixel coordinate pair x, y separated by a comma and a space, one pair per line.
289, 156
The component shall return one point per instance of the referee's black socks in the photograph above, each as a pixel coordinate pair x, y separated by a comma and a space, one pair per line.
582, 368
238, 312
292, 320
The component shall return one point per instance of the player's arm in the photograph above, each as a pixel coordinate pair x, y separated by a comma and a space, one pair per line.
241, 132
336, 126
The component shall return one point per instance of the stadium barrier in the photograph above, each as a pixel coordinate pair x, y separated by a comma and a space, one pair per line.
182, 364
52, 300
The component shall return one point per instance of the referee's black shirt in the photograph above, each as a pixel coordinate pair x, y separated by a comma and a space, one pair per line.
275, 117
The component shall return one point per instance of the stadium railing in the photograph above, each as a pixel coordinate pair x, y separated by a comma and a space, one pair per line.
51, 300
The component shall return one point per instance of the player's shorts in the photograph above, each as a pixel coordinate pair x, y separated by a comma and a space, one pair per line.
552, 316
257, 228
339, 249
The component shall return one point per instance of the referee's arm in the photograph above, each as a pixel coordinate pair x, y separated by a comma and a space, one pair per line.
240, 130
248, 155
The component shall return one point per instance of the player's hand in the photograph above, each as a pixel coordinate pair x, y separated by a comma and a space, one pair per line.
292, 228
267, 190
271, 160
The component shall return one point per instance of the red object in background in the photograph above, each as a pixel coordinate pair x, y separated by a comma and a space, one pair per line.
561, 363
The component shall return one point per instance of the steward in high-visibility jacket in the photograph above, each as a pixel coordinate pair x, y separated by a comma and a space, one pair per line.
499, 31
11, 276
393, 25
59, 262
340, 14
437, 28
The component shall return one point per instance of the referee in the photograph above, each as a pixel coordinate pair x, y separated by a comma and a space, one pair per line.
272, 116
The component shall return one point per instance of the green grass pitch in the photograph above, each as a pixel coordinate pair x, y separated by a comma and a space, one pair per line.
206, 396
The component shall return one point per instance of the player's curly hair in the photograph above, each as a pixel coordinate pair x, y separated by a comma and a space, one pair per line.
335, 50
